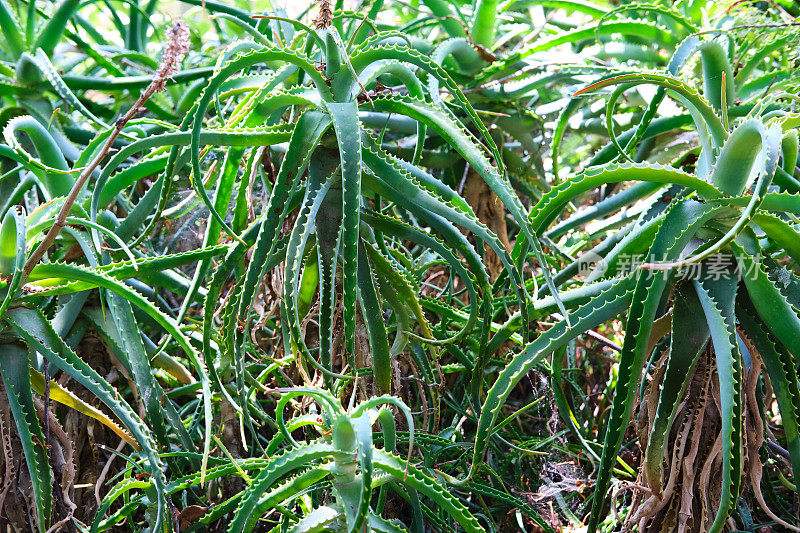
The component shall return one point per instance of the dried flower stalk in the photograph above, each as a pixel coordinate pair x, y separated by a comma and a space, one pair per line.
175, 48
325, 17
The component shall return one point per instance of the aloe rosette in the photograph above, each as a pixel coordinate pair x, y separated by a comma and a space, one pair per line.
734, 206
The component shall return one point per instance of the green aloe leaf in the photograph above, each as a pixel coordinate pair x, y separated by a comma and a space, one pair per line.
31, 326
680, 225
688, 338
600, 309
345, 122
717, 298
13, 247
14, 367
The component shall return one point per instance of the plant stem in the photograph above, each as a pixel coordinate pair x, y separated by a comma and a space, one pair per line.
61, 219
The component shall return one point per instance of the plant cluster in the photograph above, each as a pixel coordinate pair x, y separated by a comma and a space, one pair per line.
399, 266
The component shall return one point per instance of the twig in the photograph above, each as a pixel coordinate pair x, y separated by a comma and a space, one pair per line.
174, 49
103, 473
603, 340
777, 448
598, 337
57, 526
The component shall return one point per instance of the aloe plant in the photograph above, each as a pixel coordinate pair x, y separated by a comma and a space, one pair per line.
381, 216
346, 167
336, 193
350, 458
26, 332
739, 194
344, 457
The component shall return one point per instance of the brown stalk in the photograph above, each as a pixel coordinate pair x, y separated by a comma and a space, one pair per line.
173, 52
